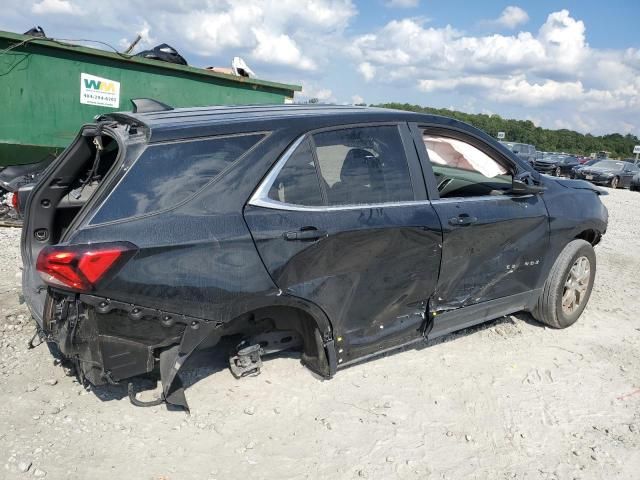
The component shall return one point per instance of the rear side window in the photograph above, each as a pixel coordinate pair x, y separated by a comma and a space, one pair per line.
364, 165
297, 182
167, 174
351, 166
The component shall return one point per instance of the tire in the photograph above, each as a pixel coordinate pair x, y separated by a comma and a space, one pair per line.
615, 182
550, 309
558, 172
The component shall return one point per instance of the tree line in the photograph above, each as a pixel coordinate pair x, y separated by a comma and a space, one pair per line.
525, 131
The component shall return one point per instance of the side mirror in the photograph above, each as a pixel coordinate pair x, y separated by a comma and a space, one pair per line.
523, 184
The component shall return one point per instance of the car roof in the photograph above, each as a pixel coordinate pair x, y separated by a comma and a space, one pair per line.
191, 122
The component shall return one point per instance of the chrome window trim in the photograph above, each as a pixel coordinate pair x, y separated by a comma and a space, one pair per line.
274, 204
483, 198
260, 197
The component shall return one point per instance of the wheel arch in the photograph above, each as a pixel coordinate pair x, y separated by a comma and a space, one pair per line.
294, 313
590, 235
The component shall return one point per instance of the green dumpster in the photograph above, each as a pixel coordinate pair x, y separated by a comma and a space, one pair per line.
48, 89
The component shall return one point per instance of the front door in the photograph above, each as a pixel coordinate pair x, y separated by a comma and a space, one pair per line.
343, 221
494, 242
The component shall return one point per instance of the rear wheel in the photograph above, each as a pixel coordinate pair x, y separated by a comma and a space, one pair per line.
567, 290
615, 181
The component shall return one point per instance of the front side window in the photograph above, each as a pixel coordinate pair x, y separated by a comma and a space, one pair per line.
167, 174
352, 166
463, 170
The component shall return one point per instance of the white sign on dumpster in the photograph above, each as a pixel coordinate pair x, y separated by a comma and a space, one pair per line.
99, 91
500, 135
636, 149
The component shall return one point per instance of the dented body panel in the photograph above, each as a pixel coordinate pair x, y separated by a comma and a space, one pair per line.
499, 255
217, 264
373, 274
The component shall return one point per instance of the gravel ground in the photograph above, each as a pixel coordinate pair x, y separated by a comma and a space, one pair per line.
509, 399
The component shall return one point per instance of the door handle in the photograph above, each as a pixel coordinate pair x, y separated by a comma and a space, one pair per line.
305, 234
462, 220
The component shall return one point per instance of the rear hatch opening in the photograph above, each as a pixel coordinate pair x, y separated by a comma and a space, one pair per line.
103, 152
64, 196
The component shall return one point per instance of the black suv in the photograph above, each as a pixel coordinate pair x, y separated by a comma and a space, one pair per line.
339, 231
524, 151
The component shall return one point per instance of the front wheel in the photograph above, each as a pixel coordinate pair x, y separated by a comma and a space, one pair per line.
567, 289
615, 181
558, 172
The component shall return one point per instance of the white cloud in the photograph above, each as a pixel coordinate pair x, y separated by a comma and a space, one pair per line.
367, 70
402, 3
54, 7
513, 89
146, 40
280, 50
511, 17
356, 99
311, 91
563, 39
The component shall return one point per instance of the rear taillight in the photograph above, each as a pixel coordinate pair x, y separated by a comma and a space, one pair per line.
14, 201
82, 267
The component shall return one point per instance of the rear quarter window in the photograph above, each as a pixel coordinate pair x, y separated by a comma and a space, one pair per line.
167, 174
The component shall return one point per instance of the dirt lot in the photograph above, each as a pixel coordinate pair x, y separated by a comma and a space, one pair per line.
510, 399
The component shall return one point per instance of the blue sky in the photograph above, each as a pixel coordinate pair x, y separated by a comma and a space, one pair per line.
610, 24
571, 64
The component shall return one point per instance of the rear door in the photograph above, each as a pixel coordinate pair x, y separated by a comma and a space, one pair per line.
343, 221
494, 242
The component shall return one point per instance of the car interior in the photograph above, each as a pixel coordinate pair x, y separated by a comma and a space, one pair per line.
462, 170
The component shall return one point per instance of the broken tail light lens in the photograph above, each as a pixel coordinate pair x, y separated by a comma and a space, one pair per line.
14, 201
82, 267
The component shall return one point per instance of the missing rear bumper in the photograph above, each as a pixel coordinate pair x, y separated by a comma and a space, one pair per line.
112, 341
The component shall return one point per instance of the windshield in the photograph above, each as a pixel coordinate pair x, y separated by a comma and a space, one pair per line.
609, 165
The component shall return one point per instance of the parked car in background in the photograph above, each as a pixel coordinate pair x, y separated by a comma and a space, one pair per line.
614, 173
558, 165
583, 160
591, 161
634, 186
12, 178
340, 232
525, 151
